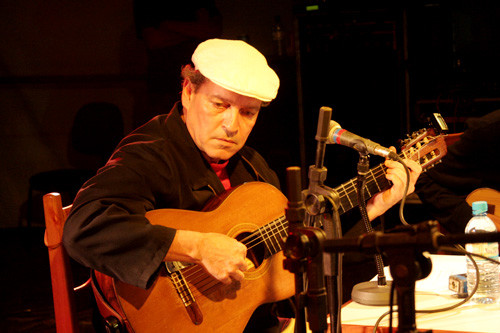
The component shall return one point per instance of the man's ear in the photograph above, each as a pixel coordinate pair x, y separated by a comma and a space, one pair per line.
187, 93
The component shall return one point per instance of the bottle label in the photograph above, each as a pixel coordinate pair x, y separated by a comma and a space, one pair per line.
489, 250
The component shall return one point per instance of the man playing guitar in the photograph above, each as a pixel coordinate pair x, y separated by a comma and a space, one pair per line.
181, 160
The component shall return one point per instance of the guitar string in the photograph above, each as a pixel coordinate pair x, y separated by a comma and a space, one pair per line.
250, 240
196, 271
350, 189
376, 172
212, 282
205, 282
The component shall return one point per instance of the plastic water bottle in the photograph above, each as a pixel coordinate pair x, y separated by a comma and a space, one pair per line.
488, 290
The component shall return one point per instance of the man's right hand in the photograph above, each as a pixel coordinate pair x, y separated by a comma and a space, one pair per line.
221, 256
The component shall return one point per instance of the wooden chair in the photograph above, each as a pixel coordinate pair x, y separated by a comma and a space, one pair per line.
60, 270
63, 291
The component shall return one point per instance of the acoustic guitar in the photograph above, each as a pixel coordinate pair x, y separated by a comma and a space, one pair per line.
492, 197
185, 298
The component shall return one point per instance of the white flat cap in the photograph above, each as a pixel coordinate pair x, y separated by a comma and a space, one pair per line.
238, 67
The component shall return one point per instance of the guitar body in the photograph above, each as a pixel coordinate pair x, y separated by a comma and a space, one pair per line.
492, 197
218, 307
187, 299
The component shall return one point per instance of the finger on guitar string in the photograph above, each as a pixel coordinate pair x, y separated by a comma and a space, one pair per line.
223, 257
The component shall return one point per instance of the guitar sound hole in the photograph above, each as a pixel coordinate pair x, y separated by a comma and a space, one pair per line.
256, 249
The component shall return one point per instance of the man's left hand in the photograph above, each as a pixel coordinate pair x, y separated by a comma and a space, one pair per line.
384, 200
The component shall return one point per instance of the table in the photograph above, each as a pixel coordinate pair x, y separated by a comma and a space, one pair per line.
431, 293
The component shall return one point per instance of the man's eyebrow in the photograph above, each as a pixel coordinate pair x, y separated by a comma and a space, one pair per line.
229, 101
254, 108
224, 99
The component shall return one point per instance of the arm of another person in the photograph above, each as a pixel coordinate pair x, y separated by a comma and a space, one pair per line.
443, 204
470, 164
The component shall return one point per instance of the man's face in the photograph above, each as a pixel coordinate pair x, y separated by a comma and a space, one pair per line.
218, 120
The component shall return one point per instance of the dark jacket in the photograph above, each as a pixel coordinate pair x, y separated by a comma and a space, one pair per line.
472, 162
156, 166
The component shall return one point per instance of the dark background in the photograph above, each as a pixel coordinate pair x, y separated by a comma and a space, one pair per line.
382, 68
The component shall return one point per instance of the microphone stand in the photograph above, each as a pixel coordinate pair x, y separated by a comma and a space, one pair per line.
370, 292
304, 245
363, 169
304, 254
404, 249
321, 205
294, 262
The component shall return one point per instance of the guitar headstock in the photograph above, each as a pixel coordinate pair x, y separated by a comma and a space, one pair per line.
424, 147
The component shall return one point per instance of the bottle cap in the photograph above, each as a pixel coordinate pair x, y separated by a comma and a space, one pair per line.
479, 207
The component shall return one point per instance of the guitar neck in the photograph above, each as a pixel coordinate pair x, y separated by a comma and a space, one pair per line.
272, 235
422, 147
375, 182
274, 232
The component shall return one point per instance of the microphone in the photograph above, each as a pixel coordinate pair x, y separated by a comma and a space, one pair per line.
338, 135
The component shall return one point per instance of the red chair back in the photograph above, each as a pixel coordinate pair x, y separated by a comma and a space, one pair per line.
60, 270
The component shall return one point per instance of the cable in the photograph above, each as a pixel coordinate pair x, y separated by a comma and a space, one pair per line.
461, 250
407, 185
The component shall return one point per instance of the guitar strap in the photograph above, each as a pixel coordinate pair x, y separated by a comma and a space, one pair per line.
107, 303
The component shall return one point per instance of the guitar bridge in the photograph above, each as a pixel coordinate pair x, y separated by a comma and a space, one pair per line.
175, 266
179, 282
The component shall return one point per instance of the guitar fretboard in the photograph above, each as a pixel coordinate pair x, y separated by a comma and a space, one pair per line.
375, 182
273, 234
